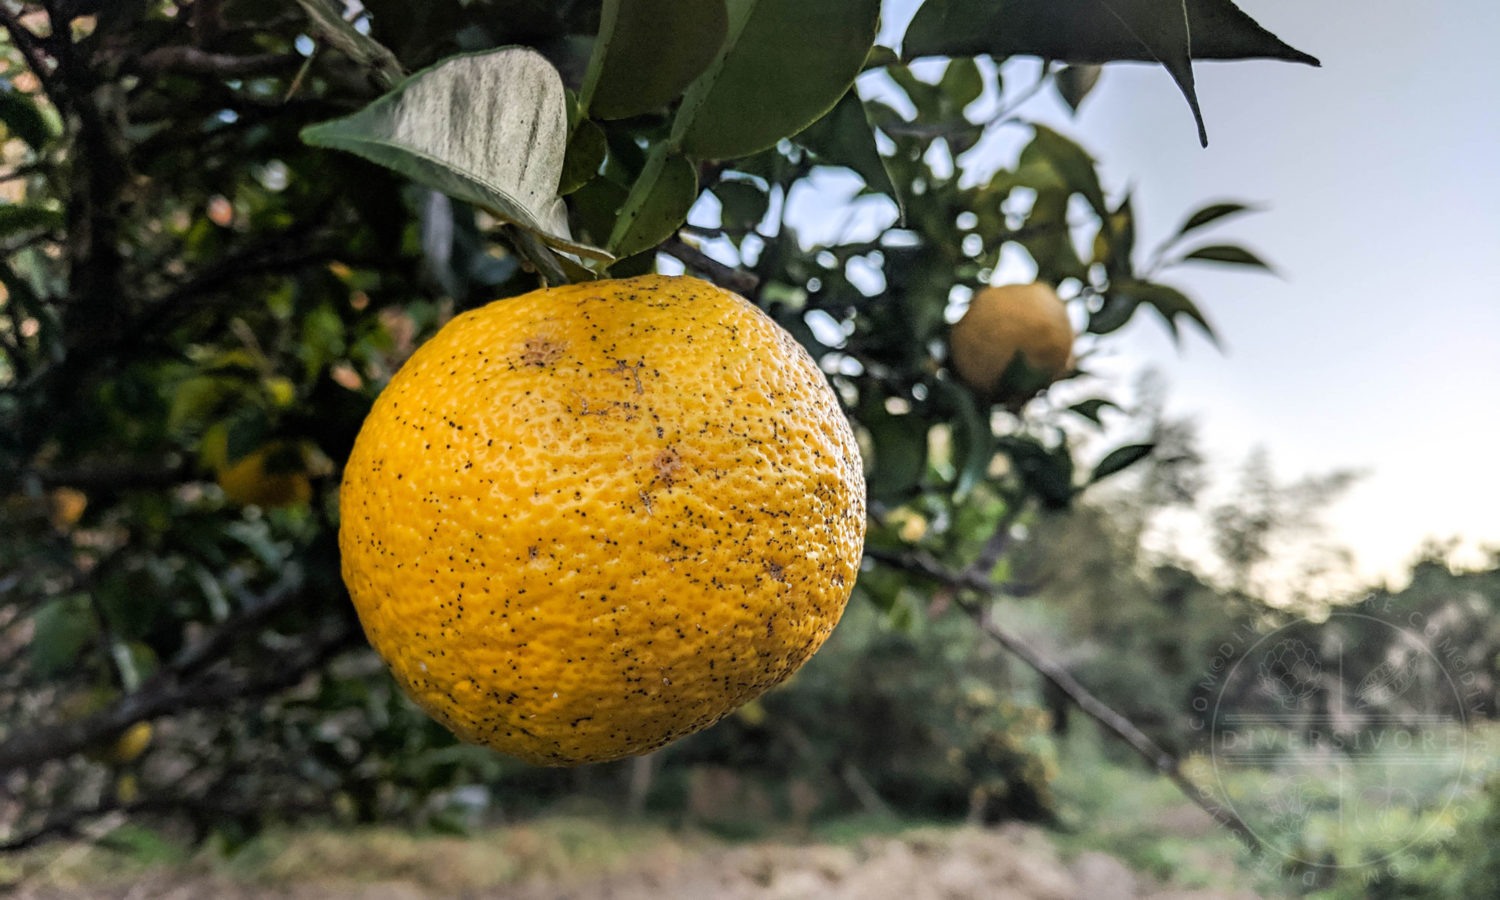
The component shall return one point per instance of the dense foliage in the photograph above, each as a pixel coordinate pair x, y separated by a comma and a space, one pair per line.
201, 299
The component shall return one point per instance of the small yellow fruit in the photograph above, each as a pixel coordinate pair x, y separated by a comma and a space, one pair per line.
1001, 322
127, 788
583, 522
66, 506
272, 476
126, 748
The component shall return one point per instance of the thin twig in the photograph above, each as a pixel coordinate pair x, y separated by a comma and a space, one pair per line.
193, 61
31, 49
168, 692
107, 476
1158, 757
737, 280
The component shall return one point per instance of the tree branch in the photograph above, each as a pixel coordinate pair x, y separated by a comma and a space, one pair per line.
173, 690
108, 476
737, 280
193, 61
32, 51
1158, 757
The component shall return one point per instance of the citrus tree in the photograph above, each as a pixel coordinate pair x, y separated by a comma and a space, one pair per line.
226, 224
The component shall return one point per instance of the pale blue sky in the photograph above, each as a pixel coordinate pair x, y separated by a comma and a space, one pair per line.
1380, 174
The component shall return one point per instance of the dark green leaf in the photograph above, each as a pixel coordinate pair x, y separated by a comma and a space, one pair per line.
1113, 313
1048, 239
1210, 214
1120, 459
973, 441
597, 206
1095, 31
415, 31
1228, 253
845, 137
743, 204
1074, 164
1115, 243
653, 51
1091, 409
22, 119
783, 66
672, 190
586, 151
327, 17
1046, 473
1074, 83
1167, 301
61, 629
512, 166
1085, 31
15, 219
961, 84
899, 445
1161, 27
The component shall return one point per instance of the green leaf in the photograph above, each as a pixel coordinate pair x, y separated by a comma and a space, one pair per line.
783, 66
597, 206
1120, 459
1171, 32
649, 51
327, 17
672, 189
1092, 409
962, 83
846, 138
1167, 301
1046, 473
1073, 83
1210, 214
61, 629
899, 445
1228, 253
415, 31
15, 219
1048, 238
1115, 242
1161, 27
22, 119
743, 204
1074, 164
973, 440
586, 151
1113, 313
1085, 31
426, 129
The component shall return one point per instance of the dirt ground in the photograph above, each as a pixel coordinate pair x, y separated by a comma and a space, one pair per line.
1008, 863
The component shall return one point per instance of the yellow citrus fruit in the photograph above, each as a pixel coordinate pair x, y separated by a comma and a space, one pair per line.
1029, 319
271, 476
66, 506
129, 746
586, 521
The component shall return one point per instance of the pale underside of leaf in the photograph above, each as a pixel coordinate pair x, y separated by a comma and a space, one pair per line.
488, 128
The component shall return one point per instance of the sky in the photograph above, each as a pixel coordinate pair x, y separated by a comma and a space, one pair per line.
1378, 347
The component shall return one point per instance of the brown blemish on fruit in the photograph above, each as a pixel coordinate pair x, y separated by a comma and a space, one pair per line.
666, 464
538, 351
